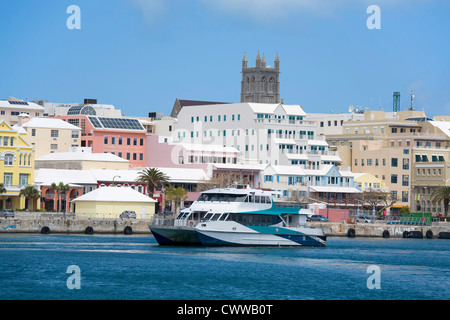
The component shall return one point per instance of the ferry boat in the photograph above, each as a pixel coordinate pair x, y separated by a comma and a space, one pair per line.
238, 216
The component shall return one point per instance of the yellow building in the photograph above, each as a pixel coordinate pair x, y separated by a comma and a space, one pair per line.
16, 166
110, 202
49, 135
367, 182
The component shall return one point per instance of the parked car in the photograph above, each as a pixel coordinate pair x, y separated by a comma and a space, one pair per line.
128, 214
364, 219
317, 217
7, 213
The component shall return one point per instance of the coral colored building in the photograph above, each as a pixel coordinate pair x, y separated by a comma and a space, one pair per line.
123, 137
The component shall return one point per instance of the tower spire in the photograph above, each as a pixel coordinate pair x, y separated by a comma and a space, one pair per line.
277, 62
244, 61
258, 60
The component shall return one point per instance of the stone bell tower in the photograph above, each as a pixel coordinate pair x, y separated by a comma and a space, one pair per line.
260, 83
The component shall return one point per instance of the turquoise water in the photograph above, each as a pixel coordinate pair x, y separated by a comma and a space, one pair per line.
34, 266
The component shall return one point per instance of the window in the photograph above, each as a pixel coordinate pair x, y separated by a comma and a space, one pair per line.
405, 180
7, 179
75, 134
33, 132
128, 141
5, 141
239, 117
54, 133
128, 156
53, 146
405, 164
113, 140
105, 140
394, 162
120, 140
23, 179
134, 141
9, 158
393, 178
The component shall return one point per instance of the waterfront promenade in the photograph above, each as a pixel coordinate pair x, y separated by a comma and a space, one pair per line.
35, 222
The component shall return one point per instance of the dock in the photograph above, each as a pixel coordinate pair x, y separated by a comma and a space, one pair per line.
60, 224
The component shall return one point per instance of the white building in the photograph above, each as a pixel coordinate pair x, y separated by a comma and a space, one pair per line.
274, 134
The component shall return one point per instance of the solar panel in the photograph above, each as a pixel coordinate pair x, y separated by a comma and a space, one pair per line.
120, 123
95, 122
116, 123
23, 103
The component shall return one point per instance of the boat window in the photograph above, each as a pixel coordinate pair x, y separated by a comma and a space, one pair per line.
267, 200
223, 217
207, 216
182, 215
215, 216
257, 199
251, 198
222, 197
263, 199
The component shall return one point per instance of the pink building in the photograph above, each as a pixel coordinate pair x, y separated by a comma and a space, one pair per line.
123, 137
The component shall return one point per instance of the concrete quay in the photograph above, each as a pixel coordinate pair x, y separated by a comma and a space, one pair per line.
73, 225
379, 229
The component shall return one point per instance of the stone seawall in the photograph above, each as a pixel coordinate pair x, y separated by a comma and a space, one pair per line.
378, 229
75, 225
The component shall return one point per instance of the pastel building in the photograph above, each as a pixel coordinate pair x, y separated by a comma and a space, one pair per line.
110, 202
123, 137
330, 185
49, 135
263, 133
16, 166
11, 109
81, 159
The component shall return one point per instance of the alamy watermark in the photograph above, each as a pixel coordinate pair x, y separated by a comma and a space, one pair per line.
374, 20
74, 20
74, 280
374, 280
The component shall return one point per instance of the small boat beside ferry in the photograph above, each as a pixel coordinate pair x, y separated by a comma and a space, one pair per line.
238, 216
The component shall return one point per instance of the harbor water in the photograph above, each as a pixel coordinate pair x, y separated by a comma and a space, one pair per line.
119, 267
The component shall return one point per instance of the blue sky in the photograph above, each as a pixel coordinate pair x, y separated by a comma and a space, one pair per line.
141, 54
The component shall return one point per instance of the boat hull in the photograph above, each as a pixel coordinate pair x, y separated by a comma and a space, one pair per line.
175, 236
260, 236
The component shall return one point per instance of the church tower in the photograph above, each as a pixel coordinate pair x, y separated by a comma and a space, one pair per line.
260, 83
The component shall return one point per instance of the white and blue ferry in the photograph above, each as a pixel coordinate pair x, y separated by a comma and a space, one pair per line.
238, 216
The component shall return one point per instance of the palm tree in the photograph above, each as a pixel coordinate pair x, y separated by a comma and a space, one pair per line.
177, 196
152, 178
2, 188
30, 192
60, 188
442, 194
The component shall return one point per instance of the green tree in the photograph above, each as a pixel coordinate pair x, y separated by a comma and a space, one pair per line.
2, 188
31, 193
152, 178
177, 196
442, 194
60, 189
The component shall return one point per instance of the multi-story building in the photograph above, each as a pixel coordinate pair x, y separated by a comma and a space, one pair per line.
16, 166
274, 134
383, 144
430, 159
11, 109
123, 137
49, 135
